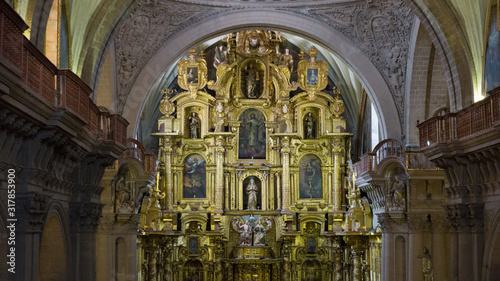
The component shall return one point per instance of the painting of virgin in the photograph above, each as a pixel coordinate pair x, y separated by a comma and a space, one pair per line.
312, 76
310, 177
194, 181
252, 139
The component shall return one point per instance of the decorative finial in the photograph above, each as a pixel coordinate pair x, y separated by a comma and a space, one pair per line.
313, 52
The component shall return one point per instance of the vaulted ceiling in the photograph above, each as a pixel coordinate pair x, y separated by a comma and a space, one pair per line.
368, 44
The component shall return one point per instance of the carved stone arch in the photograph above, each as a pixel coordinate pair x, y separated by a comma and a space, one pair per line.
55, 250
37, 16
132, 167
309, 28
453, 51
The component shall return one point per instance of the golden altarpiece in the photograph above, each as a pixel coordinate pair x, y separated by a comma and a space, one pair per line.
253, 182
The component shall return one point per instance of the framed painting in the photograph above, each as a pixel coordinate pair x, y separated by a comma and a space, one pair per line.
310, 185
252, 139
312, 76
194, 179
192, 75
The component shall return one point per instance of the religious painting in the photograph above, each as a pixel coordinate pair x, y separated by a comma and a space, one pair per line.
192, 75
193, 246
251, 77
252, 139
310, 177
309, 126
311, 245
312, 76
492, 57
194, 181
252, 193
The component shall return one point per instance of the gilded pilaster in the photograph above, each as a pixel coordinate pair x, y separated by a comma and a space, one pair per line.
167, 160
285, 152
337, 178
219, 175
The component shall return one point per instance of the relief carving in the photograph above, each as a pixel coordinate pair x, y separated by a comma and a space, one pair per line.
137, 39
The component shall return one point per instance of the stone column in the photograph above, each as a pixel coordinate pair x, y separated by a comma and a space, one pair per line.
219, 175
387, 270
285, 154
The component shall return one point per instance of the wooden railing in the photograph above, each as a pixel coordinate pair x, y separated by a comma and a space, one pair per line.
59, 89
136, 150
464, 124
391, 148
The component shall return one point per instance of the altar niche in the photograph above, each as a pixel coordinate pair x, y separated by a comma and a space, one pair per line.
252, 78
310, 185
310, 125
194, 179
252, 193
252, 139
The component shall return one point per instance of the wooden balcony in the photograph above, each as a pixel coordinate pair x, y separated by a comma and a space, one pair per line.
463, 125
59, 89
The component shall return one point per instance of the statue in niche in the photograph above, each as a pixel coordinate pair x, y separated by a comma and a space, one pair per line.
194, 126
252, 81
396, 195
309, 125
252, 190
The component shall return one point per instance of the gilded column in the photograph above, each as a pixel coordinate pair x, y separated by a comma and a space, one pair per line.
152, 260
285, 154
337, 178
279, 190
167, 157
358, 246
226, 184
219, 175
338, 254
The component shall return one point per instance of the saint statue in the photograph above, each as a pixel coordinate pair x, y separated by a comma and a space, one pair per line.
220, 56
309, 126
252, 81
287, 59
245, 233
194, 126
252, 190
427, 267
259, 234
